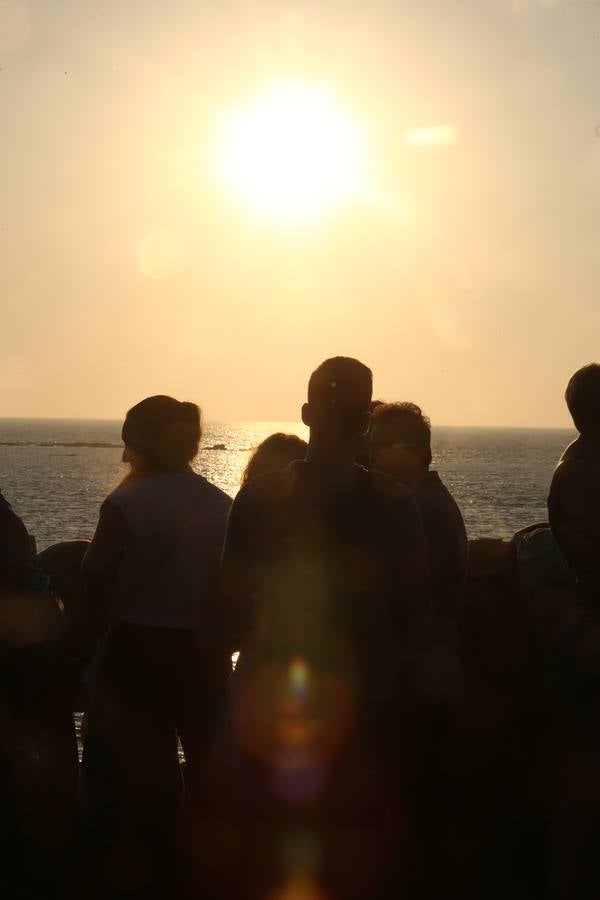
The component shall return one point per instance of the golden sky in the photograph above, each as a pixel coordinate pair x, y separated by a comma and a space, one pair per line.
416, 184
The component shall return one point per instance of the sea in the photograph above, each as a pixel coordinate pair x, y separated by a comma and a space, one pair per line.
57, 472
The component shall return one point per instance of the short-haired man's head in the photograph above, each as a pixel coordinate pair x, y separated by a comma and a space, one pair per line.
403, 425
164, 432
583, 398
339, 397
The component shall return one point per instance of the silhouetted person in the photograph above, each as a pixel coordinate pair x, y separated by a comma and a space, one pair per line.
276, 452
15, 548
574, 499
574, 516
15, 562
38, 752
152, 575
324, 571
401, 447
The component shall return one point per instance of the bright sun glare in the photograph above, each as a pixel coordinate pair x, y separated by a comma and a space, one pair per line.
291, 153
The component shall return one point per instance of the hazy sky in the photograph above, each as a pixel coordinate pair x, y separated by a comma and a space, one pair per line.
467, 277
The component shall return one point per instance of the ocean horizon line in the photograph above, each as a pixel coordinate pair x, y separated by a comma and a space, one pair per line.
295, 422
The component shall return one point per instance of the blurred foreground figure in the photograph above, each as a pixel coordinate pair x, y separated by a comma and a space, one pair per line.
574, 515
152, 576
38, 753
324, 572
574, 499
401, 447
15, 548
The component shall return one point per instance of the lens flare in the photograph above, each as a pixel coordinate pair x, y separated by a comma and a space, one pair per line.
298, 679
300, 885
433, 136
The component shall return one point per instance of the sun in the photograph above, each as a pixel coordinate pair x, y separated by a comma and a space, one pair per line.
291, 153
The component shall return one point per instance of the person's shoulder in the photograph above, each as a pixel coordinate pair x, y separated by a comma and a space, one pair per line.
272, 487
122, 494
6, 509
9, 517
134, 492
116, 504
431, 488
575, 486
217, 497
399, 510
430, 482
575, 466
574, 453
390, 488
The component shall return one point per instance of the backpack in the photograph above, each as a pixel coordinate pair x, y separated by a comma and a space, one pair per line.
32, 615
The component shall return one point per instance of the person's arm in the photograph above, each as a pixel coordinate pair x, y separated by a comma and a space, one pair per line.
213, 655
580, 490
237, 572
212, 640
413, 597
574, 517
427, 669
99, 568
15, 548
584, 482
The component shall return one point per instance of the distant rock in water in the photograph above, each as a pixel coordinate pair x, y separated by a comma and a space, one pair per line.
89, 444
95, 444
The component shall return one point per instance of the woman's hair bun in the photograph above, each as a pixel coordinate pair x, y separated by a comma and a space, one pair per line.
164, 431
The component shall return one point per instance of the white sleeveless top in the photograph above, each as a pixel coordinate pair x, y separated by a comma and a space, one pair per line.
176, 530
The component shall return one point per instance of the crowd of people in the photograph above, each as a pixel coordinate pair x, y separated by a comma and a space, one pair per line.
407, 713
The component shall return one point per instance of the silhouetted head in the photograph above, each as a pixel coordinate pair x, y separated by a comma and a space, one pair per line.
583, 398
339, 401
400, 441
275, 452
161, 435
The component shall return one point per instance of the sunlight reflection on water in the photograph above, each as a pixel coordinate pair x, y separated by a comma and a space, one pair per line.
499, 476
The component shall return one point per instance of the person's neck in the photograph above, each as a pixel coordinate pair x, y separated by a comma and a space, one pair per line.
149, 471
330, 454
418, 476
591, 440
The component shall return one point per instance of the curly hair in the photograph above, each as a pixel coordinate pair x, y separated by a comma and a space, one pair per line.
411, 426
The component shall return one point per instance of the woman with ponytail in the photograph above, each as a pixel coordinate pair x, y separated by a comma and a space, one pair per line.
151, 574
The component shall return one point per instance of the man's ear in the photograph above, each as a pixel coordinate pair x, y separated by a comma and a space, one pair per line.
306, 416
366, 424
